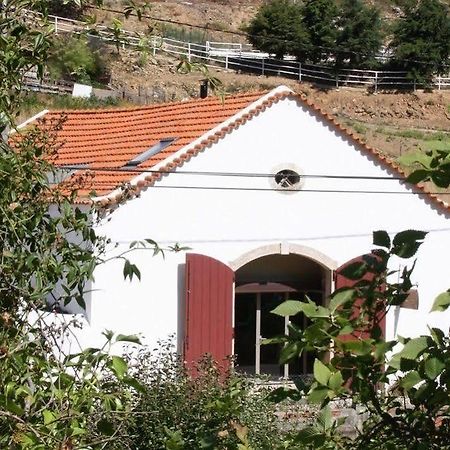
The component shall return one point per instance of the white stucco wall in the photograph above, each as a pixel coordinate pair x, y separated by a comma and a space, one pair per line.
228, 223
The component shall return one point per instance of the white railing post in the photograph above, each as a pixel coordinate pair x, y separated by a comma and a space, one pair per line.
337, 80
439, 82
376, 80
262, 66
189, 51
300, 72
226, 61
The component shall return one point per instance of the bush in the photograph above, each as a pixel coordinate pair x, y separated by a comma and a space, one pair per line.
73, 58
210, 411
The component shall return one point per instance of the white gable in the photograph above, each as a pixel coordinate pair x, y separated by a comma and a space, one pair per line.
227, 216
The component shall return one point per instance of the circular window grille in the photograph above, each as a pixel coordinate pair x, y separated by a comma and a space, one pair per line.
287, 179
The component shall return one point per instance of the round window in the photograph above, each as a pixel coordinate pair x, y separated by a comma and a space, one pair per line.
287, 179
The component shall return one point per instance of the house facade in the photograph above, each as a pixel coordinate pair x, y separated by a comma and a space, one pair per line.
266, 195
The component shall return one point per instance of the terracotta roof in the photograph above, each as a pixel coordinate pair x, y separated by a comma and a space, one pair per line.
110, 138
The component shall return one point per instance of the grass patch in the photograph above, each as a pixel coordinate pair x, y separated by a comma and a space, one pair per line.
357, 126
419, 135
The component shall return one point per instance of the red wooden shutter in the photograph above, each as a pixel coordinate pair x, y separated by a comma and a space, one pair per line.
341, 281
209, 309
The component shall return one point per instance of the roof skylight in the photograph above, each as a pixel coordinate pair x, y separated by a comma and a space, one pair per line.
152, 151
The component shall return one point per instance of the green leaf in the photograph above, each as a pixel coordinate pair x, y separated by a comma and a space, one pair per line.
410, 380
274, 340
312, 310
48, 416
381, 239
336, 381
310, 436
358, 346
14, 408
406, 243
321, 372
417, 176
441, 302
437, 335
354, 271
128, 338
119, 366
283, 393
290, 351
414, 347
318, 394
325, 418
288, 308
433, 368
340, 298
135, 384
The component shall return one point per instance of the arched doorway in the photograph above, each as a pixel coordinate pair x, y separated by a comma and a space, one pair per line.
226, 304
260, 286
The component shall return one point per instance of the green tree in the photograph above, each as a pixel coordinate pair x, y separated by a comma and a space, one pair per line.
320, 21
277, 29
360, 35
48, 250
421, 42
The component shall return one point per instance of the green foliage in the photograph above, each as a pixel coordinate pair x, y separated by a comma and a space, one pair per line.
413, 413
277, 28
421, 42
72, 58
48, 254
320, 20
360, 36
211, 411
49, 399
116, 29
21, 49
434, 165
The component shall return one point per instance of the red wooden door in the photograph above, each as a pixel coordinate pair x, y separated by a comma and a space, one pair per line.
341, 281
209, 309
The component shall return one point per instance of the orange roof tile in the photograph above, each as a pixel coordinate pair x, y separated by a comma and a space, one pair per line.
109, 138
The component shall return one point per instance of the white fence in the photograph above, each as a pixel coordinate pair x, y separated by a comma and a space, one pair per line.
242, 58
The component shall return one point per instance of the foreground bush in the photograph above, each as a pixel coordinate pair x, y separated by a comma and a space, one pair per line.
210, 411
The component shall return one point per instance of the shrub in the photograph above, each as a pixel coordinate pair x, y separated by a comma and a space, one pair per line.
73, 58
211, 410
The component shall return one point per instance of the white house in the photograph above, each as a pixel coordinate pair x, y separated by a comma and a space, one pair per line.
270, 194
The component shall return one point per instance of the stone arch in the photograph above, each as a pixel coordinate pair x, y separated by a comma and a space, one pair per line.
284, 248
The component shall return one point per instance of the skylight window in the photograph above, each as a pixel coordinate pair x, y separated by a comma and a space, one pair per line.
152, 151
